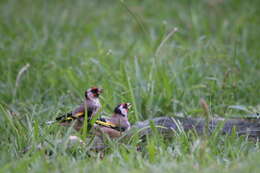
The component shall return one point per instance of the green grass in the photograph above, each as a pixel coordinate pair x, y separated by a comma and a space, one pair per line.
118, 45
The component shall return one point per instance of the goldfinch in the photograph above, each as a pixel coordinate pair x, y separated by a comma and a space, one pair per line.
92, 104
116, 124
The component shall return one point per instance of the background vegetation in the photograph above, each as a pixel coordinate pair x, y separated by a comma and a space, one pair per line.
70, 46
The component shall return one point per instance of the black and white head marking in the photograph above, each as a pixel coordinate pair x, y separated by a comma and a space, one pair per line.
122, 109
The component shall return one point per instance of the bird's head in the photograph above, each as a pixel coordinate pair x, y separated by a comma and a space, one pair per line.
93, 93
122, 109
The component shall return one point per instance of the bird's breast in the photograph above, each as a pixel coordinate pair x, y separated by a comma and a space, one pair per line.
93, 104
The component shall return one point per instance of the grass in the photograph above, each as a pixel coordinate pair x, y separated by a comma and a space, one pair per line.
126, 47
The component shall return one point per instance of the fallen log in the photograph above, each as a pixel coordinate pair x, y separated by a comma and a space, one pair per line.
168, 126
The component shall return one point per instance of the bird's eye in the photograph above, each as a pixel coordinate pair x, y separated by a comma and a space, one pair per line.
94, 90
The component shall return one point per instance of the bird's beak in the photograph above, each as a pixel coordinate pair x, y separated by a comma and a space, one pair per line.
100, 91
129, 105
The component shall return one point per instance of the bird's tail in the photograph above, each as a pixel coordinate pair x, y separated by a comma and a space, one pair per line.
60, 118
50, 122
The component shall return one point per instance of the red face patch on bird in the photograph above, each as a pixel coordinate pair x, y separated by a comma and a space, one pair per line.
96, 91
93, 92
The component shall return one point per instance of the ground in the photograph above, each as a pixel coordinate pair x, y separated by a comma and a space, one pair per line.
52, 51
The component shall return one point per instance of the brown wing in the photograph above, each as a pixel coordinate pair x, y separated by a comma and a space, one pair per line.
80, 111
77, 113
109, 124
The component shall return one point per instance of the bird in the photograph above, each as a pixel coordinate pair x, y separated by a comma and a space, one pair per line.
116, 124
91, 102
